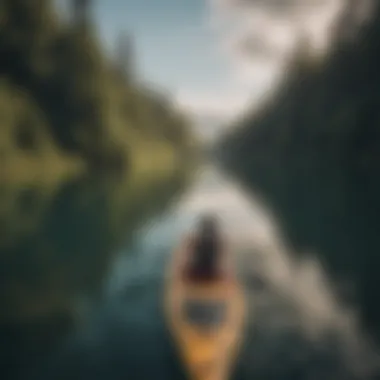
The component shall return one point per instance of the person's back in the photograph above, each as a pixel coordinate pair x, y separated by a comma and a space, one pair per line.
205, 252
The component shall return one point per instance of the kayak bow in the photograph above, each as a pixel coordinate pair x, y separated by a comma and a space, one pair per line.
206, 322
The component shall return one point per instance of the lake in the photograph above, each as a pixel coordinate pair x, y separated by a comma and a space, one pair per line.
82, 270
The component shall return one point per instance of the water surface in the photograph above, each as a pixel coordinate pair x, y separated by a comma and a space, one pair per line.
82, 287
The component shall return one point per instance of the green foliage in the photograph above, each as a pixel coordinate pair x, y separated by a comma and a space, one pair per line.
324, 110
23, 127
84, 103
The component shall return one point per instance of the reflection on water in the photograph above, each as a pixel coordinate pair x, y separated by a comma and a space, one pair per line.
58, 244
336, 215
330, 226
77, 272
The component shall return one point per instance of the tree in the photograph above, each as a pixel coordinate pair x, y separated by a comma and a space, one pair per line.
126, 56
81, 12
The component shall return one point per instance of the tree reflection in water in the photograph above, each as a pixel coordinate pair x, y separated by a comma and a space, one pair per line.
57, 245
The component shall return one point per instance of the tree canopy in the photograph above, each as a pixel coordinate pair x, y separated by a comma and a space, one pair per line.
324, 110
84, 102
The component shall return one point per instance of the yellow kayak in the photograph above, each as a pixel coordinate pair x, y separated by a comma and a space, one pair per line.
206, 321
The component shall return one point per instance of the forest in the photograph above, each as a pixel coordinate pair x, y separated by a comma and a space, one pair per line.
324, 112
65, 103
312, 153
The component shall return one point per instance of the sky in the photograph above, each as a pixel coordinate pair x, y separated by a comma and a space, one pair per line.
215, 57
177, 49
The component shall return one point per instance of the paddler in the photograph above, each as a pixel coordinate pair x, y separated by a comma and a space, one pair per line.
205, 252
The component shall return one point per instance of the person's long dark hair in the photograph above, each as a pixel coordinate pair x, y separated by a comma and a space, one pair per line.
208, 226
207, 245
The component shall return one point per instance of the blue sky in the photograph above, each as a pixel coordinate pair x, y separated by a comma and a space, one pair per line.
178, 47
174, 46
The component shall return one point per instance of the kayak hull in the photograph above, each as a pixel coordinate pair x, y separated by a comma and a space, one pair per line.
208, 343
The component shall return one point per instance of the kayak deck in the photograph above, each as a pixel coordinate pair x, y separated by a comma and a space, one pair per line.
204, 313
206, 321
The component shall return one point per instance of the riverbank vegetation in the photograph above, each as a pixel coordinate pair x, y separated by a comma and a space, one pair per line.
326, 110
313, 153
66, 105
58, 246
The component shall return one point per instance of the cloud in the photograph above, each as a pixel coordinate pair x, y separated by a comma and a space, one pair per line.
257, 38
250, 43
218, 105
280, 8
267, 30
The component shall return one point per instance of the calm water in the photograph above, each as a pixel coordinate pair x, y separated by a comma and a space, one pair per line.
82, 273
